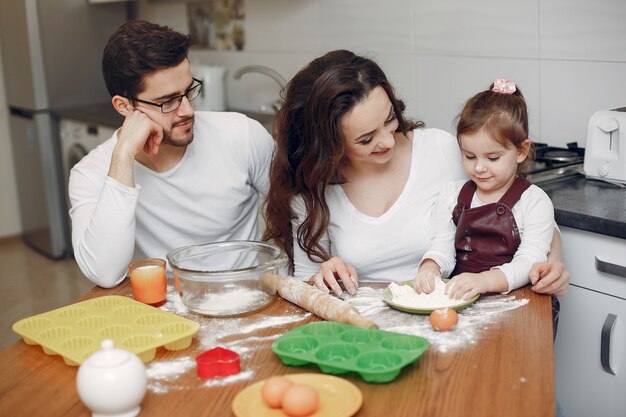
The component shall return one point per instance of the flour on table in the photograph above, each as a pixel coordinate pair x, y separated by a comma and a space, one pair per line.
481, 317
247, 336
161, 374
406, 296
240, 335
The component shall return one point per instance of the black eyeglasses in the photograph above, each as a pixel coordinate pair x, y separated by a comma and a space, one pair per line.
174, 103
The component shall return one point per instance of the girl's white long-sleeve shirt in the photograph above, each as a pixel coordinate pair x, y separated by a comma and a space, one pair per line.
533, 213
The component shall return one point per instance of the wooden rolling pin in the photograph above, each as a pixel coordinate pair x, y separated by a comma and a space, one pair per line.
318, 302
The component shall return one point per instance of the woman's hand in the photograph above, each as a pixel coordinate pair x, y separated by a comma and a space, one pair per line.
427, 273
549, 278
333, 269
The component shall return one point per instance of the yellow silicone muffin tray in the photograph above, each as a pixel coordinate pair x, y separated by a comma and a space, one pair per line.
75, 331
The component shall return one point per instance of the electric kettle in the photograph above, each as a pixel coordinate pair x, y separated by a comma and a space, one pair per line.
212, 96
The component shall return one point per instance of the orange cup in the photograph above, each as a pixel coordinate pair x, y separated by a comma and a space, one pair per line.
148, 279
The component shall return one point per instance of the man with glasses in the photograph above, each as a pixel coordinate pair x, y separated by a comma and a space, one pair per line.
170, 176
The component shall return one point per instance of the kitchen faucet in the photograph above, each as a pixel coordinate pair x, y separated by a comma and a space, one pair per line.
277, 104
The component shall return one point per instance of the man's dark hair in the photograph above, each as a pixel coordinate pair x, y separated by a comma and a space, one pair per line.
138, 48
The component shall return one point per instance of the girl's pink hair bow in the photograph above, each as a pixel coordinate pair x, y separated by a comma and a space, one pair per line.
503, 86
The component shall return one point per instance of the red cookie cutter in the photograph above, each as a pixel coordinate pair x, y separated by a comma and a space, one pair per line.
217, 362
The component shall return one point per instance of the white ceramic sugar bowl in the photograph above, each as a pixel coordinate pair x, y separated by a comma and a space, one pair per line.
112, 382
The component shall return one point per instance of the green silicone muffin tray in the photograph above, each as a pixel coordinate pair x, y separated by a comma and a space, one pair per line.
376, 355
75, 331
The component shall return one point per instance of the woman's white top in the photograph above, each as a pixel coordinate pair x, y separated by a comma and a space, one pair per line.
388, 247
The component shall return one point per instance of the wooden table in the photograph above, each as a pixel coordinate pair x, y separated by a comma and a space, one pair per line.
508, 372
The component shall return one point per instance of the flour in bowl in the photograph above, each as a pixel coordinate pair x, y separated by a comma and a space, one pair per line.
228, 301
406, 296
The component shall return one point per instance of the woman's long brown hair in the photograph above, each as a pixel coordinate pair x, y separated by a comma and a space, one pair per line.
310, 145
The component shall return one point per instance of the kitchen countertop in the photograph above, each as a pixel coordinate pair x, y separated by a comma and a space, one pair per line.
102, 114
589, 205
506, 369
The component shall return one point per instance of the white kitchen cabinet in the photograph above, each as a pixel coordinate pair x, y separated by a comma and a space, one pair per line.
590, 349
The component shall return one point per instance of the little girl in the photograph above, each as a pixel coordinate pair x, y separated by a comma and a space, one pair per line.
488, 232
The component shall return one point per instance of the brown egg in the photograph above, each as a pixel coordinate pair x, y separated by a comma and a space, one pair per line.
274, 389
443, 319
300, 401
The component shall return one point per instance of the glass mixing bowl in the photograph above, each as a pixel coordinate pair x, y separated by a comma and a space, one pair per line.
226, 278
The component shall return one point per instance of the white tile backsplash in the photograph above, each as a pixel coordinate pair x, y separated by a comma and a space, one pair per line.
572, 91
444, 84
568, 56
366, 25
484, 28
583, 30
282, 26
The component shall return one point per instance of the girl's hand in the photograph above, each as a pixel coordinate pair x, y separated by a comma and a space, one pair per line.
465, 286
333, 269
427, 273
549, 278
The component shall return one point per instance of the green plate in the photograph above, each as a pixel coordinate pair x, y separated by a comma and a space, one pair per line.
388, 297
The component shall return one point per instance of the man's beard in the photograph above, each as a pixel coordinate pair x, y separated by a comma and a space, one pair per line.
180, 140
177, 141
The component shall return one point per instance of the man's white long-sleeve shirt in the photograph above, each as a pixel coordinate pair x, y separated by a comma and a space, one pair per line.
212, 194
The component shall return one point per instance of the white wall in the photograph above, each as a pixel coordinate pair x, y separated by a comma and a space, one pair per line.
10, 222
568, 56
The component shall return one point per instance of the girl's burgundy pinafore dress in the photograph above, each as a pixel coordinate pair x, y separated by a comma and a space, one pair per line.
486, 236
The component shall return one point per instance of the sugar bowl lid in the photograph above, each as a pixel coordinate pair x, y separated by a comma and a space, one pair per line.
108, 356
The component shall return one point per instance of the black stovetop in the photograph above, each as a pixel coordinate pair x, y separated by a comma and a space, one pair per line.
552, 158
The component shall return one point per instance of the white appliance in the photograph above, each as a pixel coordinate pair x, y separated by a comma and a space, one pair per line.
605, 150
77, 140
49, 65
212, 96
